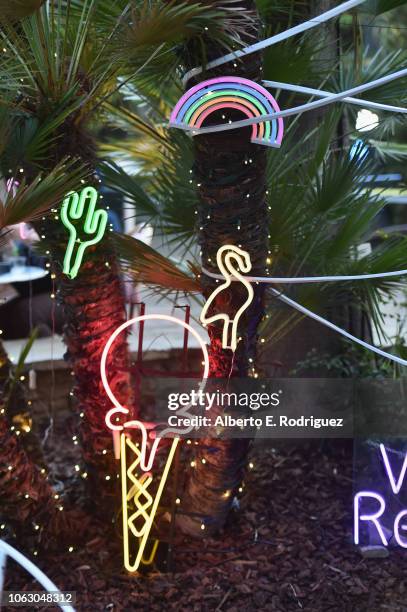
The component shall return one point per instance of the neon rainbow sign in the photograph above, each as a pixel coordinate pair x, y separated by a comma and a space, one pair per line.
231, 92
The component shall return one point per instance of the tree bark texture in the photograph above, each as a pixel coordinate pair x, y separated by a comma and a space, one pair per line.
231, 182
94, 306
25, 493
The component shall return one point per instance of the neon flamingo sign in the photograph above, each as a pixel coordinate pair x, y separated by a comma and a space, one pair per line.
227, 257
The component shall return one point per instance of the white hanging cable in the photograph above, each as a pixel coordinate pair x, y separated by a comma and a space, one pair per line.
311, 314
337, 97
326, 94
298, 29
297, 280
334, 327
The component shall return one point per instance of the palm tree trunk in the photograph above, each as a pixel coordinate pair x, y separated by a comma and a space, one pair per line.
94, 306
230, 173
24, 491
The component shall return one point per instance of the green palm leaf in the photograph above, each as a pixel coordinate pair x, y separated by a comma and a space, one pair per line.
14, 10
144, 264
378, 7
33, 199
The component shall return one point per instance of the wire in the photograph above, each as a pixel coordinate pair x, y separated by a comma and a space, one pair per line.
313, 315
326, 94
298, 29
334, 327
296, 280
379, 27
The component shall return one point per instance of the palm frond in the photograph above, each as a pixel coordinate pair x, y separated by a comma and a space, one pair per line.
378, 7
167, 197
31, 200
159, 35
374, 67
174, 22
154, 24
287, 11
321, 210
145, 265
19, 368
295, 57
125, 117
132, 188
14, 10
60, 51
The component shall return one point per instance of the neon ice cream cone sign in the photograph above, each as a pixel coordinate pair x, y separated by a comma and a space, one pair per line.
137, 489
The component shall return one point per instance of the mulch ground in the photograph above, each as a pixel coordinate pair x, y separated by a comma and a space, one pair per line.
287, 548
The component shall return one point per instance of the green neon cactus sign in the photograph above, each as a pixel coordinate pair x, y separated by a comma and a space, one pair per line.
95, 221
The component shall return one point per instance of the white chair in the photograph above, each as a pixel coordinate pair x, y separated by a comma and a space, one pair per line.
8, 551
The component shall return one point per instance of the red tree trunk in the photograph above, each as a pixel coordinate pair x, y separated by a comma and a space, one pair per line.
24, 490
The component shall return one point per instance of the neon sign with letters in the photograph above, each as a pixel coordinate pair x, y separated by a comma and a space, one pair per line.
364, 498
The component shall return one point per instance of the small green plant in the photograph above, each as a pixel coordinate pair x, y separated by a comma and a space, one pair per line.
353, 362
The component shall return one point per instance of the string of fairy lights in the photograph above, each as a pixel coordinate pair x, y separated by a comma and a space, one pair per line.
105, 451
25, 428
53, 295
75, 440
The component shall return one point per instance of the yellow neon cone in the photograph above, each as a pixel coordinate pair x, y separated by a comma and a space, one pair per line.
139, 502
